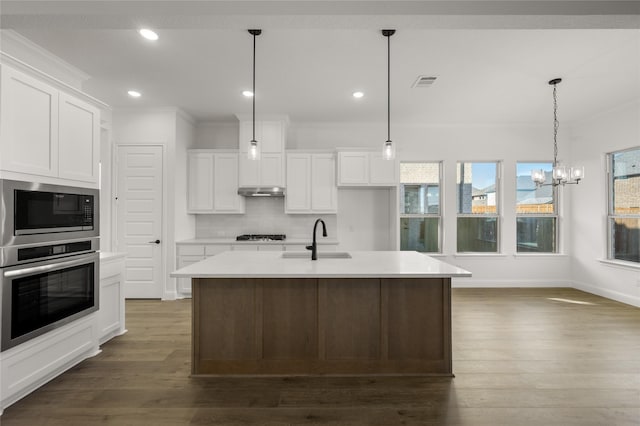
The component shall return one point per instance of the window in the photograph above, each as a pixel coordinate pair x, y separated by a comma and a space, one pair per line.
624, 205
420, 211
536, 211
477, 197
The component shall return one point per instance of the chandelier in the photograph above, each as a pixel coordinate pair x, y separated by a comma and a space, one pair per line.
560, 175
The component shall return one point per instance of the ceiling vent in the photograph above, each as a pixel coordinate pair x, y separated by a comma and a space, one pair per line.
424, 81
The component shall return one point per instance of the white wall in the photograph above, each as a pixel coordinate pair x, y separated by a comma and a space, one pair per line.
592, 139
364, 220
450, 144
185, 224
263, 216
173, 130
217, 135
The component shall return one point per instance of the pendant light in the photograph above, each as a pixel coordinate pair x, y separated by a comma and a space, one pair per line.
388, 149
254, 150
560, 175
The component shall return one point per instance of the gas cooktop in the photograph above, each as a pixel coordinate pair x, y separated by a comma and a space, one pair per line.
261, 237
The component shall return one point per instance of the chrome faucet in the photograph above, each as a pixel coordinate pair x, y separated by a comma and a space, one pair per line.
314, 247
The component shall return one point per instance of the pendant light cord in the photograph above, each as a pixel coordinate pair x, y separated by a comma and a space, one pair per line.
254, 33
556, 124
388, 34
388, 88
254, 88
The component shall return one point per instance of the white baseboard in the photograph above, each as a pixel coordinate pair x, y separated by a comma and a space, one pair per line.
170, 295
609, 294
506, 283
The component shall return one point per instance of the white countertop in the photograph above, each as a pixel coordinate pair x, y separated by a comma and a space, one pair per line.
296, 241
363, 264
112, 255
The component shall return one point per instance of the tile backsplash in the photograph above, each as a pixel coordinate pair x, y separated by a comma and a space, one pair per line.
263, 216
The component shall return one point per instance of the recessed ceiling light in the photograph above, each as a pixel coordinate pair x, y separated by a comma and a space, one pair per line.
358, 95
134, 93
148, 34
247, 93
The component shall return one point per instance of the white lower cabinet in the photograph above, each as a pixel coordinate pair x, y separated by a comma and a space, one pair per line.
184, 284
303, 247
111, 312
28, 366
189, 254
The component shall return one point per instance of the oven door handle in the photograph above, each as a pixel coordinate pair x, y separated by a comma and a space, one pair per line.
46, 268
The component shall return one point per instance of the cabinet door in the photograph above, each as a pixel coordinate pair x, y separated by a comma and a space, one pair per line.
244, 247
271, 170
225, 184
272, 137
213, 249
249, 173
353, 168
184, 284
200, 182
78, 139
324, 193
271, 247
298, 196
29, 117
382, 172
246, 134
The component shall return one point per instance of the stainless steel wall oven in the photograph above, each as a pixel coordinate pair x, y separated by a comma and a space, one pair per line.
49, 265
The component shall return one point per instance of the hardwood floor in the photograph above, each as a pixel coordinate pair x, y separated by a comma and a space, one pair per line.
521, 357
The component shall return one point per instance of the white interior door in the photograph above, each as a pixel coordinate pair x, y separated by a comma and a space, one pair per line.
139, 219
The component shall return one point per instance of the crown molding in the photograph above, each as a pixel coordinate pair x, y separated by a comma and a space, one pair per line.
6, 59
20, 47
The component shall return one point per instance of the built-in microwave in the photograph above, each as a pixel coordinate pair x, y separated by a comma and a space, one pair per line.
37, 213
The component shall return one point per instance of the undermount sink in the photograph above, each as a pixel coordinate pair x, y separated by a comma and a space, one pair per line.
321, 255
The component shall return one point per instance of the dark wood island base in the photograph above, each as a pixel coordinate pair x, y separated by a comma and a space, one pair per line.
313, 326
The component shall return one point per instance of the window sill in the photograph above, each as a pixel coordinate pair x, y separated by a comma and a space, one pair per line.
531, 255
479, 255
621, 264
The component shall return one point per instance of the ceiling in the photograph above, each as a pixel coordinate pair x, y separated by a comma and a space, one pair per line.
492, 59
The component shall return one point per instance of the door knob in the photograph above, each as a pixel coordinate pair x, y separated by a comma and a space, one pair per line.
154, 242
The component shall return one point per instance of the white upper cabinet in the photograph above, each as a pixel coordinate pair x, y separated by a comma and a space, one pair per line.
269, 134
200, 182
78, 140
366, 169
311, 183
225, 184
47, 132
382, 172
324, 192
353, 168
213, 182
298, 195
269, 170
29, 120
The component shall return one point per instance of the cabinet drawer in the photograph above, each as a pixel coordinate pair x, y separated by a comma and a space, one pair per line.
213, 249
271, 247
244, 247
191, 250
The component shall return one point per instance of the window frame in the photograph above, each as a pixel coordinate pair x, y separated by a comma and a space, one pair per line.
497, 215
611, 215
438, 215
555, 214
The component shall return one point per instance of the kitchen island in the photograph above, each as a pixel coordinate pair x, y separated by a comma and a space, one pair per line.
375, 312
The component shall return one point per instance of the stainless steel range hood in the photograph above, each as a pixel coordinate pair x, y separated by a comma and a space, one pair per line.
268, 191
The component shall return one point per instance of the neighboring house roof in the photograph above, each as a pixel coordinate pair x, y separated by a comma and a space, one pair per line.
541, 200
